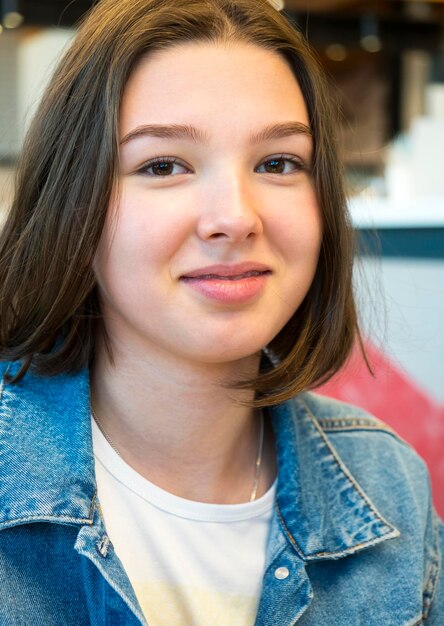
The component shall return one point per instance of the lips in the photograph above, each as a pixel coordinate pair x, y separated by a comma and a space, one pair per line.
228, 284
228, 272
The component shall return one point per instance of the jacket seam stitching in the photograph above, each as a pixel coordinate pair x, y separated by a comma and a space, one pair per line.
435, 574
351, 422
2, 387
355, 419
288, 533
346, 425
92, 505
44, 518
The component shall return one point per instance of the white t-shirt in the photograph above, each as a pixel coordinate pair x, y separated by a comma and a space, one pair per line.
190, 563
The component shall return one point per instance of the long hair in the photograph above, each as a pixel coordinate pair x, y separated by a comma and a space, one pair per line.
49, 306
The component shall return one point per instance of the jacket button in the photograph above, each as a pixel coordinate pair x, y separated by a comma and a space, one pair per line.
281, 573
103, 546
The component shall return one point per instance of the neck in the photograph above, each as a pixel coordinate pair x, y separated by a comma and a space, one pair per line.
179, 425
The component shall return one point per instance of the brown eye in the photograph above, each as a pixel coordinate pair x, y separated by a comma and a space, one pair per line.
163, 167
275, 166
280, 165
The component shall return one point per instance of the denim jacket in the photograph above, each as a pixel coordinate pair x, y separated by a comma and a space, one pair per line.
354, 538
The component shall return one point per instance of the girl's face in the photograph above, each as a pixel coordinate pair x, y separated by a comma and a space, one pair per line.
214, 239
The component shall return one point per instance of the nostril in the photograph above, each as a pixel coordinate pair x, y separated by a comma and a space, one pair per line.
218, 235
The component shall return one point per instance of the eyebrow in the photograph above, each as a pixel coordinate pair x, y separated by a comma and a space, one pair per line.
284, 129
168, 131
185, 131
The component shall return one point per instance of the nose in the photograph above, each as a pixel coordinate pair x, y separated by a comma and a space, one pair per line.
230, 212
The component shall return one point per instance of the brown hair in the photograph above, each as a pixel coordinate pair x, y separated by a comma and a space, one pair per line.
49, 308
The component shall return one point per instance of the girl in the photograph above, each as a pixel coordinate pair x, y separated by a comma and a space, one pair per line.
176, 273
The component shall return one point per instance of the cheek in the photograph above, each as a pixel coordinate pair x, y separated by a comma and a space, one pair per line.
150, 221
118, 253
300, 229
139, 240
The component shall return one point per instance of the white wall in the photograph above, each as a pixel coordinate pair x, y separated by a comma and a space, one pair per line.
38, 54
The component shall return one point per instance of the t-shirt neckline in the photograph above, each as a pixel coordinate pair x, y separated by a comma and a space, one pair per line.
169, 502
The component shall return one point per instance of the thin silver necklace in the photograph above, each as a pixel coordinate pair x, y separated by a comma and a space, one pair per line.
258, 462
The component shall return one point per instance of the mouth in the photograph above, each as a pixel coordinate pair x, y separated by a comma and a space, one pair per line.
229, 284
228, 272
241, 276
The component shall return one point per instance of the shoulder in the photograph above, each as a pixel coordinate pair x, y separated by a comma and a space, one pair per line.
33, 390
393, 477
373, 452
364, 442
361, 447
383, 468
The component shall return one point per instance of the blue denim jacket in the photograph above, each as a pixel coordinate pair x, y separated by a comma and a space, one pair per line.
354, 539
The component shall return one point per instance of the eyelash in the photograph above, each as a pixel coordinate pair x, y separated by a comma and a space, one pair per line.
159, 160
299, 165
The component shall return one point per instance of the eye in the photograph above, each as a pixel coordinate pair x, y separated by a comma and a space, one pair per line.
163, 166
282, 164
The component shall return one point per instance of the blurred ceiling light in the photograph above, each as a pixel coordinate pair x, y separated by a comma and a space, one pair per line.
13, 19
419, 10
10, 14
277, 4
371, 43
370, 39
336, 52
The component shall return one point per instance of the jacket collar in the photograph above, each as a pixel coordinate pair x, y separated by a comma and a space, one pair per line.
323, 511
47, 468
46, 457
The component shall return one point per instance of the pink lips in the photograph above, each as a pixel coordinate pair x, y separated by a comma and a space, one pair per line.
231, 284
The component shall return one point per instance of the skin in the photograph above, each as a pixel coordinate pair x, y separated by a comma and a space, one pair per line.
225, 200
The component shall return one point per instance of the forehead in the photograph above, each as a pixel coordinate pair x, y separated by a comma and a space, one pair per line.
214, 86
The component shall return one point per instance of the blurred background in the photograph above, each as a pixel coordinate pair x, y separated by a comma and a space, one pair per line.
385, 60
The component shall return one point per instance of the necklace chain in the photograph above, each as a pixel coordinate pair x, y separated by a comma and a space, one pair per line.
257, 465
